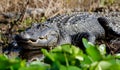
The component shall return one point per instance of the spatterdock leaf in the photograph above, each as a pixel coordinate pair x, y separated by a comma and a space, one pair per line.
73, 68
67, 48
48, 55
103, 65
92, 50
69, 68
117, 55
85, 43
57, 49
94, 53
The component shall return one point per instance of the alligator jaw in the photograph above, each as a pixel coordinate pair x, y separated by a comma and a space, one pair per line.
46, 39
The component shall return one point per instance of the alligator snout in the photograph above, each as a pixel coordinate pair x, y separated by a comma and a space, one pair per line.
19, 37
37, 37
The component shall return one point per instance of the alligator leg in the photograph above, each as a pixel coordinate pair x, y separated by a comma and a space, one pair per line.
92, 38
111, 25
77, 39
64, 39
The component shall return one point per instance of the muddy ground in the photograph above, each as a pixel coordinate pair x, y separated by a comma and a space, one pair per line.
16, 15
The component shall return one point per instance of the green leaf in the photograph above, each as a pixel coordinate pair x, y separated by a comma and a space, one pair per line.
117, 55
13, 64
48, 54
73, 68
92, 50
67, 48
60, 57
79, 58
33, 68
62, 67
94, 53
115, 67
103, 65
76, 50
38, 63
93, 66
57, 49
63, 48
85, 43
85, 64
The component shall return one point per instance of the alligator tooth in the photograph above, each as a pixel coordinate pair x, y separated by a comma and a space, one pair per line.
29, 41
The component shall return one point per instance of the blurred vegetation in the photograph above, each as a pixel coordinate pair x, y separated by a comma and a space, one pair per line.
67, 57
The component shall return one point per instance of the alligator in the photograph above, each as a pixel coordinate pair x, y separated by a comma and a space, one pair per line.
69, 28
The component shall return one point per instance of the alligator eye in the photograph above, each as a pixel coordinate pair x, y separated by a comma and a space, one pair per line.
43, 25
38, 26
32, 40
45, 37
41, 37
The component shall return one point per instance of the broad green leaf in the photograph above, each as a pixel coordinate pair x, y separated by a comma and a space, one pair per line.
14, 64
76, 50
86, 62
67, 48
38, 63
33, 68
59, 57
94, 53
92, 50
57, 49
85, 43
73, 68
93, 65
47, 54
79, 58
3, 57
57, 66
117, 55
103, 65
63, 67
63, 48
115, 67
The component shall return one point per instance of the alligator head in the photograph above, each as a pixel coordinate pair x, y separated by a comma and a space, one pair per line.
37, 36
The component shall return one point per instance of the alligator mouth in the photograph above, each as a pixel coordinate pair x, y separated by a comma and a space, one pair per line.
40, 42
31, 43
32, 40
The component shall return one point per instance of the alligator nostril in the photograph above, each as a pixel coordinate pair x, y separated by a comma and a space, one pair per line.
17, 37
20, 38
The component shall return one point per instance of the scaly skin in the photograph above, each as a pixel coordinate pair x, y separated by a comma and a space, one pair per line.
69, 28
